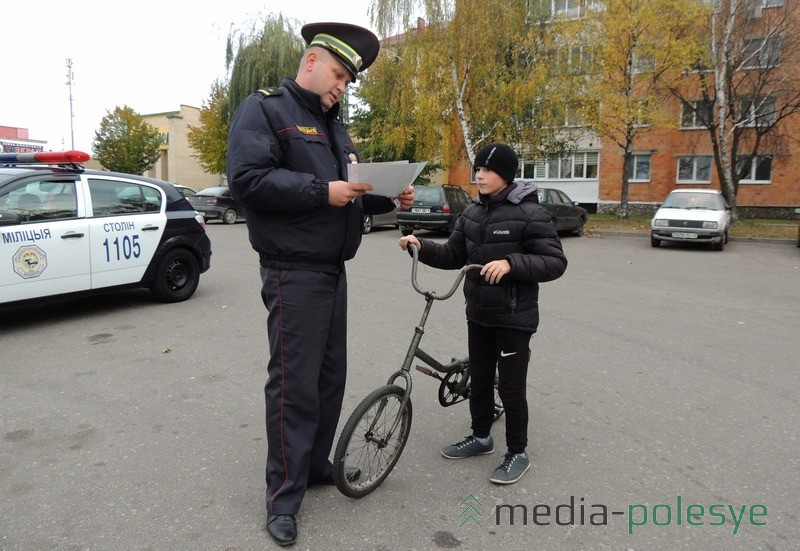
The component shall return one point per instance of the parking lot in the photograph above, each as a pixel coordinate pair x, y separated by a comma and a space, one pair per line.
663, 382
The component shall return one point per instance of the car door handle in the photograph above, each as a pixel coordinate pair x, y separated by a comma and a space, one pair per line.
72, 235
150, 228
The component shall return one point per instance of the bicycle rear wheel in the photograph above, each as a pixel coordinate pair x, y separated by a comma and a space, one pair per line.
365, 443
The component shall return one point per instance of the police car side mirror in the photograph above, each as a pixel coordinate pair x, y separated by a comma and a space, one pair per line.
8, 218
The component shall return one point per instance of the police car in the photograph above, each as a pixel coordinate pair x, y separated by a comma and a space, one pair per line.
66, 229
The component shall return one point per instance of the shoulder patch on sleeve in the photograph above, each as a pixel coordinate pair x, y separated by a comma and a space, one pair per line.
270, 92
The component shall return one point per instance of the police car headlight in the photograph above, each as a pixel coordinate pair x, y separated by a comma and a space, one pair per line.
660, 222
710, 225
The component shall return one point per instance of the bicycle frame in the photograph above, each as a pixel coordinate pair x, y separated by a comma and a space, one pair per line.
377, 431
414, 351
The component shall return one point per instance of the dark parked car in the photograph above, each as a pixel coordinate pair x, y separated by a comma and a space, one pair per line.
376, 220
184, 190
216, 202
566, 214
434, 208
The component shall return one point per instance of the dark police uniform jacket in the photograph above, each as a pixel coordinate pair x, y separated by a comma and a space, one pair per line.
511, 226
282, 152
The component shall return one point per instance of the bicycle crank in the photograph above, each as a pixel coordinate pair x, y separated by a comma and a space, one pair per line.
454, 388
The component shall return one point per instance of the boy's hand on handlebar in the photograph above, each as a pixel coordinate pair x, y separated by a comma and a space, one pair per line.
409, 239
494, 271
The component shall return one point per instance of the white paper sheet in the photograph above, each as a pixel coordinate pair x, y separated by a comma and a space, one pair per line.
388, 179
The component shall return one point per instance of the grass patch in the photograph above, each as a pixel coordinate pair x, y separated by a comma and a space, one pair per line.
755, 228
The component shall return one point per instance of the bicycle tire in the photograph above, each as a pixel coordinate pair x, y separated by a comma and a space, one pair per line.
375, 458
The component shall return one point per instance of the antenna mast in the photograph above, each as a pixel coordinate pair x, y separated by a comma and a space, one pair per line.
70, 80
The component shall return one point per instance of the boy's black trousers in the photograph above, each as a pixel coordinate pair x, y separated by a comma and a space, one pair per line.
508, 352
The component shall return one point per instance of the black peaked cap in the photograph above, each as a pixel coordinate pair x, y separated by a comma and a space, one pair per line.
356, 47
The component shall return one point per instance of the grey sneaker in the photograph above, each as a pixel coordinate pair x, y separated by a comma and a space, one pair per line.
468, 447
513, 467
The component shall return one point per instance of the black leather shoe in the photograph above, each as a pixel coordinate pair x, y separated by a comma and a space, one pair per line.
351, 473
282, 528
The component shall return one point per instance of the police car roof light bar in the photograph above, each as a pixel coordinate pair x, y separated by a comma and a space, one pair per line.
49, 157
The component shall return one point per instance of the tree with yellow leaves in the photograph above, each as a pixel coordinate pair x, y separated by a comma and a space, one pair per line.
474, 72
639, 50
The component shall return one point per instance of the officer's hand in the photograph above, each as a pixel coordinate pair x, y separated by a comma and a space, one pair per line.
340, 192
406, 198
494, 271
407, 240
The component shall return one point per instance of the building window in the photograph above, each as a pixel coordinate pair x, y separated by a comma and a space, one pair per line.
694, 169
643, 63
761, 53
639, 168
695, 115
758, 111
570, 8
577, 166
755, 169
577, 60
757, 4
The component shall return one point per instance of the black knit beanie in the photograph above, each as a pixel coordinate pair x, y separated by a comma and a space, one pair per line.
499, 158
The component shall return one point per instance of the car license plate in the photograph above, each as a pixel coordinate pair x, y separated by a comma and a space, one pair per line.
420, 211
684, 235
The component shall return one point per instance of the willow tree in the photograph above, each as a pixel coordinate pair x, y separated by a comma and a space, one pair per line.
261, 58
474, 72
639, 49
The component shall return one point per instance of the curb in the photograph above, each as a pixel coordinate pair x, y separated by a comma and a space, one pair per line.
618, 233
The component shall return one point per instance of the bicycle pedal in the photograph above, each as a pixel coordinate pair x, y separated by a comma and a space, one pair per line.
428, 372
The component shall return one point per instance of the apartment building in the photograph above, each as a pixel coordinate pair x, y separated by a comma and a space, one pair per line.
681, 154
178, 163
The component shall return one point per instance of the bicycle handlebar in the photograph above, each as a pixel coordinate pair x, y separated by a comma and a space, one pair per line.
461, 273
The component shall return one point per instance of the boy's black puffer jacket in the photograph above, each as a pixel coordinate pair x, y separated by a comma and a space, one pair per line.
512, 226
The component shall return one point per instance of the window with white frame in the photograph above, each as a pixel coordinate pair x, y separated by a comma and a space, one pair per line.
577, 59
574, 117
756, 4
639, 169
695, 115
576, 166
761, 53
756, 169
759, 111
695, 168
569, 8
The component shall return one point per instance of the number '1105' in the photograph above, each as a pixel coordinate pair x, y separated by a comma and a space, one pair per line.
125, 247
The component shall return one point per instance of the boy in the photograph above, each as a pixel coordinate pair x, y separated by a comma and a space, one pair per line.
508, 232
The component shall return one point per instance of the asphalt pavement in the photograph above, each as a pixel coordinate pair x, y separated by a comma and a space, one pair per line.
663, 393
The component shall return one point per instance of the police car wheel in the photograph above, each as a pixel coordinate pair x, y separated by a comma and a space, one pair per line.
177, 276
229, 216
367, 227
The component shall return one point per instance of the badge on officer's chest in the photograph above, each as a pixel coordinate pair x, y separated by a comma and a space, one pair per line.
353, 158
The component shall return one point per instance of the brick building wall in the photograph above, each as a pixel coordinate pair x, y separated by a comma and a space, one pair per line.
665, 147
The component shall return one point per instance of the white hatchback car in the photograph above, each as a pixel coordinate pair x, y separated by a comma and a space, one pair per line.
699, 215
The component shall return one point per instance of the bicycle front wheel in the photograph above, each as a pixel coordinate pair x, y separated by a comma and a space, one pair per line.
366, 442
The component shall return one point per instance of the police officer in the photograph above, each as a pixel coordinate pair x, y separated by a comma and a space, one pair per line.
287, 165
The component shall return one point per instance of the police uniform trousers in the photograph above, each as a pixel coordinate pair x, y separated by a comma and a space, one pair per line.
307, 329
506, 352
